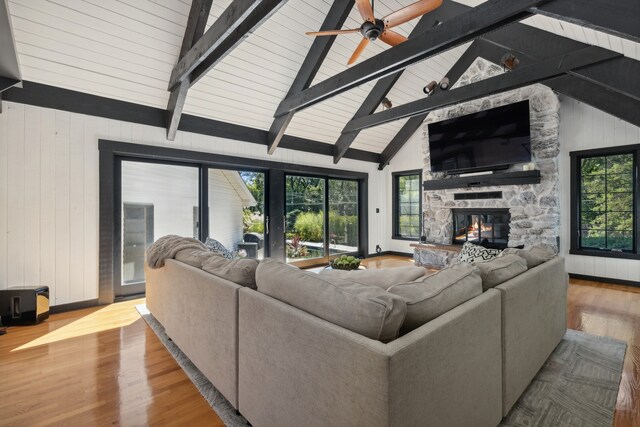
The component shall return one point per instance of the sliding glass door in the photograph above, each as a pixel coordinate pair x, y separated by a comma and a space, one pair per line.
237, 211
157, 199
321, 218
343, 216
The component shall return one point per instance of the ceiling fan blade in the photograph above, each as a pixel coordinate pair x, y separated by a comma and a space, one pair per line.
358, 51
332, 32
410, 12
392, 38
364, 7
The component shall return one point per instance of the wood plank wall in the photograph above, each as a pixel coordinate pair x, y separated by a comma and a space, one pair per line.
49, 192
583, 127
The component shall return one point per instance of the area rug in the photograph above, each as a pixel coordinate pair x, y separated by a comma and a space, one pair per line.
577, 386
216, 400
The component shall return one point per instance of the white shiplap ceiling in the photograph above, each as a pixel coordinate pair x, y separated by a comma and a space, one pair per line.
126, 49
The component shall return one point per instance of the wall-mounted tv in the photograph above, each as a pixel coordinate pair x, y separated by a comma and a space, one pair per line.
488, 140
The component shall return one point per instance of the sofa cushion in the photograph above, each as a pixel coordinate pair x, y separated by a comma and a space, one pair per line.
194, 257
437, 293
534, 256
368, 310
380, 277
501, 269
240, 271
473, 253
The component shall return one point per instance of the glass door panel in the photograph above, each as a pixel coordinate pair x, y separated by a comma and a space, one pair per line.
343, 216
157, 199
237, 211
305, 219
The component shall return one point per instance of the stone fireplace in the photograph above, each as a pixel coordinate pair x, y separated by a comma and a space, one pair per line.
489, 227
451, 215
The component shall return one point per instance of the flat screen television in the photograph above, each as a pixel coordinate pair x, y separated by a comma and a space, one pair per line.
488, 140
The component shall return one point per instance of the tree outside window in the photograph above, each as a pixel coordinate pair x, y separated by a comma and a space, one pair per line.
407, 209
607, 202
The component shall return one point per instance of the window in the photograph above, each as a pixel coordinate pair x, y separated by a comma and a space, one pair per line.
322, 218
604, 197
407, 205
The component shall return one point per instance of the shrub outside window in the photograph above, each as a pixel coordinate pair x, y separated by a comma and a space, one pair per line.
407, 205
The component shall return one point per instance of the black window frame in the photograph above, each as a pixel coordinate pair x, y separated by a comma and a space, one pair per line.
395, 176
575, 201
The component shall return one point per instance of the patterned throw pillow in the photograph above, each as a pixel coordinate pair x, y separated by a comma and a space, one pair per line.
217, 247
472, 253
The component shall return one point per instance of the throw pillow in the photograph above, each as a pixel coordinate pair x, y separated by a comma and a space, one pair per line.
381, 277
218, 248
534, 256
240, 271
364, 309
472, 253
499, 270
438, 293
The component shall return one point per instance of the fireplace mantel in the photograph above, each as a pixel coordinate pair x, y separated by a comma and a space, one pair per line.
495, 179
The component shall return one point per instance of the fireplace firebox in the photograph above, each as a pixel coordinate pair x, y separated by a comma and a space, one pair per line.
488, 227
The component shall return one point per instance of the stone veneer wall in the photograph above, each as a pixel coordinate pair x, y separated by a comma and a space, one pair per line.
534, 208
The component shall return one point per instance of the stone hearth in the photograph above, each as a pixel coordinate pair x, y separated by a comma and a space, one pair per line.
534, 208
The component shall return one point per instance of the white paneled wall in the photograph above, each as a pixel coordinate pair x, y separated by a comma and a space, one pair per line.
582, 128
49, 192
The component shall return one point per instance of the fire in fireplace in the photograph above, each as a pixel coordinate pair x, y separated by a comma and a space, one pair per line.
489, 227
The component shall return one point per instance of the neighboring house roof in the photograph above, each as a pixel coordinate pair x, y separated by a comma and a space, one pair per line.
240, 188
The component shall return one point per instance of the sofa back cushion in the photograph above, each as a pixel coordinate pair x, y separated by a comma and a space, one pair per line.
438, 293
380, 277
534, 256
194, 257
368, 310
240, 271
501, 269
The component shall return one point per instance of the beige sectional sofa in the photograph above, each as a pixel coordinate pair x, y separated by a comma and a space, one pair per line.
281, 365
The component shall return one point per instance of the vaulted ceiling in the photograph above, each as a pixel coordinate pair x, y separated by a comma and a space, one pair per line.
126, 50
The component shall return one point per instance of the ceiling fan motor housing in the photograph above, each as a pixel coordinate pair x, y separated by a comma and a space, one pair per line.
372, 30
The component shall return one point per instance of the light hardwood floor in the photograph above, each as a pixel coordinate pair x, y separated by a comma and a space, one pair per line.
104, 366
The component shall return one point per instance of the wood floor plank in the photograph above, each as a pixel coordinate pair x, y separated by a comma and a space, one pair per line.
104, 365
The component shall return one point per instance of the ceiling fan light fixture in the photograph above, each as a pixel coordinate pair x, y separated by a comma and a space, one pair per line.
509, 62
444, 83
430, 87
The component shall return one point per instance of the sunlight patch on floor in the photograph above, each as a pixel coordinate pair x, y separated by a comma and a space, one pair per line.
109, 317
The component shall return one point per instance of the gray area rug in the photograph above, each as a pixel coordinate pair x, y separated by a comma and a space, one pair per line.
217, 401
577, 386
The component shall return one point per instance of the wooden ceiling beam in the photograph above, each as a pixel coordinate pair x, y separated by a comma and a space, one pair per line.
597, 96
196, 24
463, 28
523, 76
620, 18
7, 83
382, 87
411, 126
320, 47
245, 14
235, 24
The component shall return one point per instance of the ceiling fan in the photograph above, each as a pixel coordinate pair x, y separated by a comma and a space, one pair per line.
373, 28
